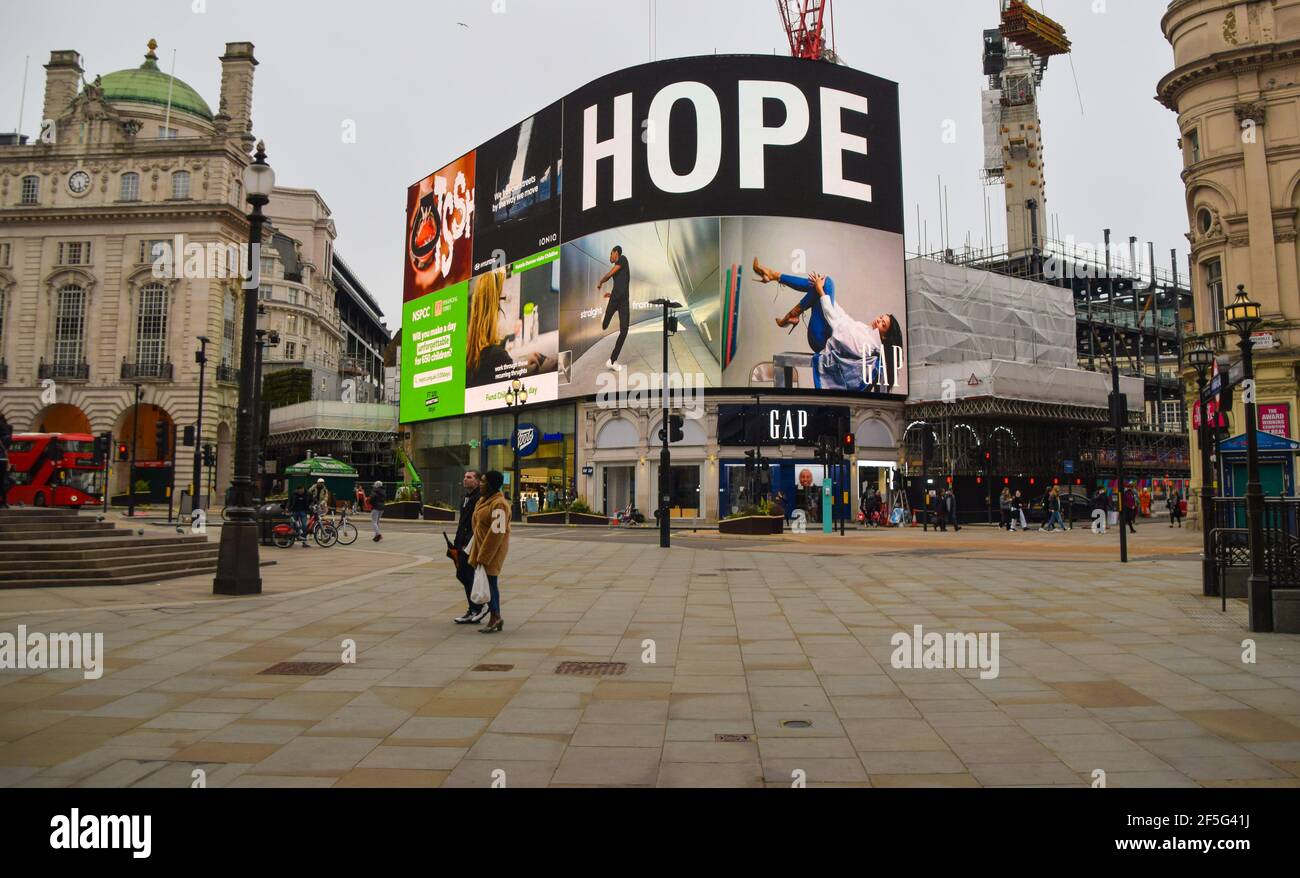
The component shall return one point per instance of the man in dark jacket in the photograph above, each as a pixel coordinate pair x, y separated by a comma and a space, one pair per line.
300, 509
464, 533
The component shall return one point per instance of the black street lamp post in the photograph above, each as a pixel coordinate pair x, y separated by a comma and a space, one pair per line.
1201, 359
238, 564
135, 442
196, 483
266, 338
666, 455
1244, 316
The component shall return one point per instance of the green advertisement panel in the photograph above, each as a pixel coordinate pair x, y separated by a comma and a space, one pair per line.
433, 354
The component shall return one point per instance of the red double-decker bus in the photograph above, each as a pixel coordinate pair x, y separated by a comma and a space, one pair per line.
54, 469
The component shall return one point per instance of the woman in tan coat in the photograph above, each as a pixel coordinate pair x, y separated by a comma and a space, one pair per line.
491, 542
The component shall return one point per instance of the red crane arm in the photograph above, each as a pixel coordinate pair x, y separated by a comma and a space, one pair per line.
805, 25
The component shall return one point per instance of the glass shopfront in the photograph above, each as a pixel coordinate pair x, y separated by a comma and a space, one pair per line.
445, 450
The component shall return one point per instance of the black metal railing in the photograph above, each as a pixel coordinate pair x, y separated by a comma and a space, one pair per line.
63, 371
227, 375
1281, 543
147, 371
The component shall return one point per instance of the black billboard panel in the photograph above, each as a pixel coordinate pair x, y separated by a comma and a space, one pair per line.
733, 136
517, 213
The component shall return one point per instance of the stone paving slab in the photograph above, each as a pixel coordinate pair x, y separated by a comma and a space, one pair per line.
774, 665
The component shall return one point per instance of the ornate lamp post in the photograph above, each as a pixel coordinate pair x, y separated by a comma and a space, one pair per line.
238, 564
1201, 359
196, 483
1243, 315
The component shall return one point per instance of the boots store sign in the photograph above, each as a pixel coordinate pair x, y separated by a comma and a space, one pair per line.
739, 136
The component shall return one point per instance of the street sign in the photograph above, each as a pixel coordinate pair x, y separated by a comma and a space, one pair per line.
1069, 467
589, 471
1264, 341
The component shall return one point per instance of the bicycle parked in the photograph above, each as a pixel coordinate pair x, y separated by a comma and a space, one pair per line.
323, 532
347, 531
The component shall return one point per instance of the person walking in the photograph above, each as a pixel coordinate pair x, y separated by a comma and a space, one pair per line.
1130, 503
1101, 503
1053, 505
300, 509
472, 483
377, 499
1004, 507
1018, 511
491, 543
941, 512
949, 503
1175, 504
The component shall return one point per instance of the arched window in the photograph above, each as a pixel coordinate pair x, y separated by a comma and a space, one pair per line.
70, 326
130, 187
151, 326
31, 190
181, 185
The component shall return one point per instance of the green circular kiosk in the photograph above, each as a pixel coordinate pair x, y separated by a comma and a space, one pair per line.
340, 478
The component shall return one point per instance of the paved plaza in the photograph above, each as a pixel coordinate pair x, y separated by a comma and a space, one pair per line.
772, 663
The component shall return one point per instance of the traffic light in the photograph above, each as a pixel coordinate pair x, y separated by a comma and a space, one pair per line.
850, 445
103, 447
209, 458
123, 453
189, 437
677, 425
162, 440
750, 462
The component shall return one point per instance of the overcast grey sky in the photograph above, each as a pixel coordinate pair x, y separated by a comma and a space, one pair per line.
422, 89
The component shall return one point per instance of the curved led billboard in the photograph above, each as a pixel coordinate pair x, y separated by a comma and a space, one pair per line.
764, 194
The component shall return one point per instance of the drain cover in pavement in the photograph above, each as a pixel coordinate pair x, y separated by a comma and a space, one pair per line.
796, 724
493, 669
301, 669
592, 669
732, 739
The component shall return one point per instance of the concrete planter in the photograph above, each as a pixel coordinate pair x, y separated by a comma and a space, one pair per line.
405, 511
1286, 610
753, 526
575, 518
432, 513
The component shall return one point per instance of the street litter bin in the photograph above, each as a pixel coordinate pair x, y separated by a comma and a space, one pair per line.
268, 516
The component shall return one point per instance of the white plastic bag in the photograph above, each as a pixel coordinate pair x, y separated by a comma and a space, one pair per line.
481, 594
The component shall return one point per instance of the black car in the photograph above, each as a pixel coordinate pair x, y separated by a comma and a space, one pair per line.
1038, 512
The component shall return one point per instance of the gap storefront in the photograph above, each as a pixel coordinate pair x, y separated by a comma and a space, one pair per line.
619, 455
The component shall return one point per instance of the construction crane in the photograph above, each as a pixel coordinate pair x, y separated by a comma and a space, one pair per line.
1015, 59
810, 25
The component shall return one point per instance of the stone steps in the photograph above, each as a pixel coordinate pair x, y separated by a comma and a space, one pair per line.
59, 548
100, 559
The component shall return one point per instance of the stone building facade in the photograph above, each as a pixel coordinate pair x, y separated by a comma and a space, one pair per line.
131, 168
1236, 89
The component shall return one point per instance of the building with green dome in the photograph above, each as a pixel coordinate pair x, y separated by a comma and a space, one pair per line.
149, 85
128, 165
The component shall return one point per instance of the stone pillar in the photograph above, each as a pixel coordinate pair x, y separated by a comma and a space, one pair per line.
237, 67
62, 82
